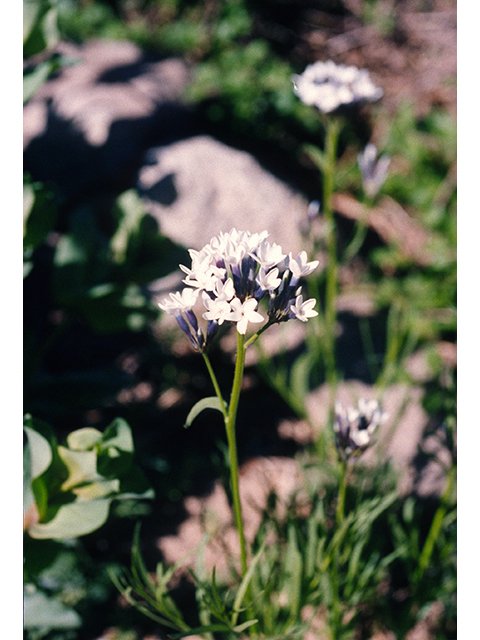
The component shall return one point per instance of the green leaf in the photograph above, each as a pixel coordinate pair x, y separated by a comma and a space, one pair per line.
84, 439
73, 520
47, 613
40, 453
212, 402
247, 578
315, 155
132, 210
81, 465
198, 630
294, 567
40, 213
241, 627
300, 376
33, 80
31, 14
118, 434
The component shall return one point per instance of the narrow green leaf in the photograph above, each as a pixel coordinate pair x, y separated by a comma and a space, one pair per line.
212, 402
294, 568
215, 595
300, 376
317, 156
242, 589
241, 627
198, 630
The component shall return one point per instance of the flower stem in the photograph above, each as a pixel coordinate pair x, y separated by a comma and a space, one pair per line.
232, 446
331, 141
216, 386
342, 488
336, 624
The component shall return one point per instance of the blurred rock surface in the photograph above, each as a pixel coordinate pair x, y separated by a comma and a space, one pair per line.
199, 186
88, 126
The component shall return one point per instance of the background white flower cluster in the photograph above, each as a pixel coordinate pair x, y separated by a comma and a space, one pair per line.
328, 86
354, 426
230, 275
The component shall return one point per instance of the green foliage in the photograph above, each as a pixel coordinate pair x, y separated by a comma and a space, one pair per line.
303, 566
426, 151
40, 212
79, 21
101, 278
237, 78
40, 36
61, 585
40, 29
68, 488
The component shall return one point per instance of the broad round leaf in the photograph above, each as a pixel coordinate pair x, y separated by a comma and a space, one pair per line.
73, 520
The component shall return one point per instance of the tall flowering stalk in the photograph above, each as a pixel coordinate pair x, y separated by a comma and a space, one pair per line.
373, 171
332, 88
354, 429
228, 280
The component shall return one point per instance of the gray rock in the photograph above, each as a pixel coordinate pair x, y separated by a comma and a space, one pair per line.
87, 128
199, 186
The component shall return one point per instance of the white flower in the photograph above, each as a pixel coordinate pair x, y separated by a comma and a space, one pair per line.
303, 310
224, 290
354, 427
371, 412
374, 172
232, 246
268, 255
204, 273
327, 86
217, 309
244, 313
268, 281
179, 301
299, 266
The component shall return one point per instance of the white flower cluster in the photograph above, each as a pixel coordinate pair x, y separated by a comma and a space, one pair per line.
230, 275
328, 86
373, 169
354, 427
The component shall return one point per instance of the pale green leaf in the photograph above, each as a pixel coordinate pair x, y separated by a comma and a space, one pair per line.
96, 490
40, 453
199, 630
84, 439
118, 434
81, 465
241, 627
73, 520
40, 611
212, 402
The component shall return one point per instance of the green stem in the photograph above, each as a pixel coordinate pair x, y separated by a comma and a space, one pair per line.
331, 288
361, 229
342, 489
336, 624
232, 446
394, 342
216, 386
